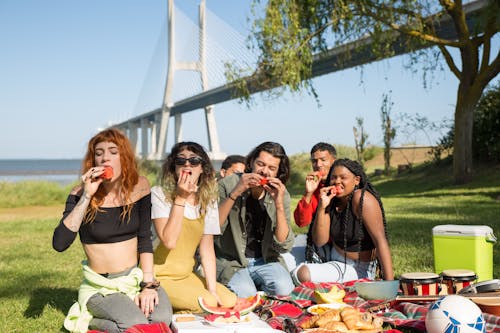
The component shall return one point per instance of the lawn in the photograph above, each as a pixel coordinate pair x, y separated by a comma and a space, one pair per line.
39, 285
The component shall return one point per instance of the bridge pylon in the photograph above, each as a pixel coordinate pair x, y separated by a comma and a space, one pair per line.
154, 126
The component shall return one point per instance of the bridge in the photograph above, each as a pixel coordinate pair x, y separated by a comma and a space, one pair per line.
151, 127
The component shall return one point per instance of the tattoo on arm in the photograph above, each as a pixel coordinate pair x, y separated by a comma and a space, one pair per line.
74, 220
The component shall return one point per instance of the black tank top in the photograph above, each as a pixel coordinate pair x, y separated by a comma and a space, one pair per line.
352, 230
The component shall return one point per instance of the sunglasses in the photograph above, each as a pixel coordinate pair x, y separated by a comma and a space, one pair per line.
194, 161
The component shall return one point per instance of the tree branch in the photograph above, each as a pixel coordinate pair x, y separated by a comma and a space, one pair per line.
449, 60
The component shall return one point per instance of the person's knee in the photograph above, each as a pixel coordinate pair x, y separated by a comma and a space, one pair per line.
163, 312
131, 319
281, 282
303, 274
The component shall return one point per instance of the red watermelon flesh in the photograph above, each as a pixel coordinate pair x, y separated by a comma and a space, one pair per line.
338, 189
108, 173
242, 306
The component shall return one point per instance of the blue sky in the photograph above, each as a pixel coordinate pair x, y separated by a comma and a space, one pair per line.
68, 68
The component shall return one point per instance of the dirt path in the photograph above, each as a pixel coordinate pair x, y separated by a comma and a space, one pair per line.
31, 213
414, 155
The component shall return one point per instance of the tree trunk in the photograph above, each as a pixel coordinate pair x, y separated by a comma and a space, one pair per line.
467, 99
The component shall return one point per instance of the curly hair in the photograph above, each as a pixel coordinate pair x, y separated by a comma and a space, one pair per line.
364, 185
207, 183
129, 176
276, 150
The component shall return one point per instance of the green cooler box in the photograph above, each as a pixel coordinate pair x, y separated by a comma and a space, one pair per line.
467, 247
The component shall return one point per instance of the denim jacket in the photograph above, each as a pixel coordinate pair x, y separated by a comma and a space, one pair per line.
230, 245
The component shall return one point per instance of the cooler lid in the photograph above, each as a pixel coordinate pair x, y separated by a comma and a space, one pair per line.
464, 230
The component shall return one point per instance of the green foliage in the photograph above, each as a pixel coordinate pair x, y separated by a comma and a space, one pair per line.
486, 130
150, 169
388, 130
292, 33
360, 140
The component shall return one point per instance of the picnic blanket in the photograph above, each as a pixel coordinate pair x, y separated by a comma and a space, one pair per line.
144, 328
284, 312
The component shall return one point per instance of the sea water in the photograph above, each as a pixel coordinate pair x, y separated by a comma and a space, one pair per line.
61, 171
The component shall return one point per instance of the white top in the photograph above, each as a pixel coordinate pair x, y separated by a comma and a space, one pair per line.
161, 208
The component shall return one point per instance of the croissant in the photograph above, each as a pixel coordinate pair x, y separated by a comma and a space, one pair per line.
350, 317
309, 322
336, 326
332, 315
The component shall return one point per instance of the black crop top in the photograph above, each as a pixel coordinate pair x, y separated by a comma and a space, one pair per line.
355, 233
108, 227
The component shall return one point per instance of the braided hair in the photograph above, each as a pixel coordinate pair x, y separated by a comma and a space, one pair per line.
364, 185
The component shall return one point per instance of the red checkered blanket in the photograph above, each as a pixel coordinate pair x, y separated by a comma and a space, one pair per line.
399, 315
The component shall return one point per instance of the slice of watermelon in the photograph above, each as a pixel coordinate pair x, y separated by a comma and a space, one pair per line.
263, 181
108, 173
241, 308
338, 189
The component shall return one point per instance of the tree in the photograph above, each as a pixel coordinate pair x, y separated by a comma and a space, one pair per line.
388, 130
360, 140
293, 32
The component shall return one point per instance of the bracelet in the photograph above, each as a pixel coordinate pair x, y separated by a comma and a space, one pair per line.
176, 204
230, 197
150, 285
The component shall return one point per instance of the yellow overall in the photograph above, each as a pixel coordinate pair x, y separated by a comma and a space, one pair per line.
174, 269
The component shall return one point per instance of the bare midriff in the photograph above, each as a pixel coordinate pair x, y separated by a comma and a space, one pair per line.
112, 257
367, 255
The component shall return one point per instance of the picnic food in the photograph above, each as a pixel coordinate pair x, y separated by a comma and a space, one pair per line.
334, 295
185, 318
343, 320
318, 175
242, 306
338, 189
107, 173
226, 318
263, 181
329, 316
186, 172
336, 326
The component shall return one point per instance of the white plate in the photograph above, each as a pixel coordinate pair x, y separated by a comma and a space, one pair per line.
329, 306
243, 322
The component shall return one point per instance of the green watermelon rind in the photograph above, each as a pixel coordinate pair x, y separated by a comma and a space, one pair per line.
242, 312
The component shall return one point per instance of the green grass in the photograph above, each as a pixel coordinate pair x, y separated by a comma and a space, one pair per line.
38, 285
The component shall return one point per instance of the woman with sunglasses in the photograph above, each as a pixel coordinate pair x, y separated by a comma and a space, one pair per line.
185, 216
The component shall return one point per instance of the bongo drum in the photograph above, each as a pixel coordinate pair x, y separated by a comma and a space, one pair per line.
457, 279
420, 283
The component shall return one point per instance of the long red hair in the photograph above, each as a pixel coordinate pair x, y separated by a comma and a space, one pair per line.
129, 176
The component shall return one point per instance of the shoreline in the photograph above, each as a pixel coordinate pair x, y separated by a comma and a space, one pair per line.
38, 172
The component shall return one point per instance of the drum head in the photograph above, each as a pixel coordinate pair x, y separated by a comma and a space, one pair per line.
419, 277
458, 275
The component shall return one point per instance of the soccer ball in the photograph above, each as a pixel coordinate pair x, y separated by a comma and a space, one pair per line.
454, 314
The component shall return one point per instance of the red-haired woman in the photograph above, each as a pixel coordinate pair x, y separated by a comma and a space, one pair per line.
112, 213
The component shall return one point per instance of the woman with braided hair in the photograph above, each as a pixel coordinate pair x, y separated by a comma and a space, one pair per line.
351, 215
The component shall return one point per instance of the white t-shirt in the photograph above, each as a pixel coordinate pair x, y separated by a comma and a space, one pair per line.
161, 208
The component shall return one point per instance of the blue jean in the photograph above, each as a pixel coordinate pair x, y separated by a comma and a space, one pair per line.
272, 278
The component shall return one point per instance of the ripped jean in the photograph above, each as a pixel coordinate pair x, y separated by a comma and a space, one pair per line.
339, 269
